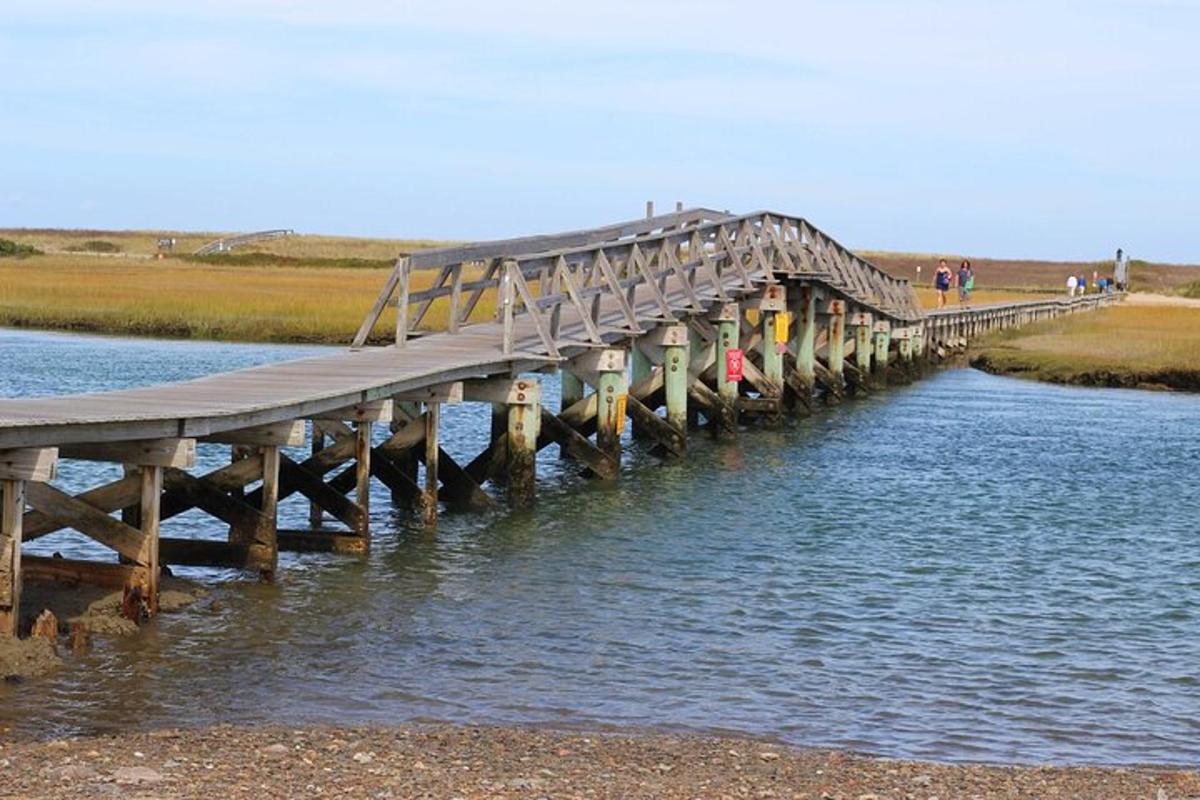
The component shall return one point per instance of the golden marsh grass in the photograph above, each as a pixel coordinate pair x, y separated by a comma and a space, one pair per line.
174, 298
1121, 346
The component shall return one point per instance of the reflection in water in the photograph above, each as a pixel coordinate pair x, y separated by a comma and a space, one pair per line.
969, 568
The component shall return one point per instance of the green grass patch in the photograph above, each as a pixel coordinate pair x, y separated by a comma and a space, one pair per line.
94, 246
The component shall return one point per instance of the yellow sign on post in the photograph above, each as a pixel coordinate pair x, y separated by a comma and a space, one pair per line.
622, 400
781, 327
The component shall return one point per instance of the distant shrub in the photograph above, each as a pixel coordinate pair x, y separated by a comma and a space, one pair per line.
11, 249
95, 246
1191, 289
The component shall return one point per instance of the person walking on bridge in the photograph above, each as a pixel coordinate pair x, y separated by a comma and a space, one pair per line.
966, 282
941, 282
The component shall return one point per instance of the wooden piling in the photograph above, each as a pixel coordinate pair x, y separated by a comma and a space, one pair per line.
773, 346
611, 399
12, 513
804, 334
524, 427
726, 316
315, 514
883, 337
269, 539
862, 323
675, 381
151, 497
835, 312
362, 475
640, 367
429, 496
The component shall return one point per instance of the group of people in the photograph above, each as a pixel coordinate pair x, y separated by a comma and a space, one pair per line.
943, 279
1077, 285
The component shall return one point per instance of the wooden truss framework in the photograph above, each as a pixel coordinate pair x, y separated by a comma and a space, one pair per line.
676, 293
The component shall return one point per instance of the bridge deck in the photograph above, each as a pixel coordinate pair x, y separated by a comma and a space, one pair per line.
299, 388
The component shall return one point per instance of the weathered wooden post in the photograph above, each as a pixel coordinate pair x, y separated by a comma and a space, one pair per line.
17, 467
904, 344
675, 378
611, 397
726, 315
835, 312
640, 368
362, 472
269, 538
773, 309
429, 495
151, 498
315, 514
524, 427
883, 344
12, 513
675, 343
804, 335
862, 322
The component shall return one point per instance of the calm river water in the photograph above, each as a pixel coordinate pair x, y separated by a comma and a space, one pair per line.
970, 568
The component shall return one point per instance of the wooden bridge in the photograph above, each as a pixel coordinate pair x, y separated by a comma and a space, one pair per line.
691, 321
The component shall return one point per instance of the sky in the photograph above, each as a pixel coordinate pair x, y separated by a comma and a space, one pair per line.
1048, 129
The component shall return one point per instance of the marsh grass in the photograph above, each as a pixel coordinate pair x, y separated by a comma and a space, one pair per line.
979, 297
145, 243
1118, 346
174, 298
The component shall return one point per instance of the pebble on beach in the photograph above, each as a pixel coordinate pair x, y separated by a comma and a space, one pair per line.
472, 763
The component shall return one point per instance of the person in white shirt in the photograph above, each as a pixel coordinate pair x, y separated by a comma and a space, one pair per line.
1072, 282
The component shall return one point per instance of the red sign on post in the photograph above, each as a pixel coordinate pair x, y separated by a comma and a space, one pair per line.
733, 365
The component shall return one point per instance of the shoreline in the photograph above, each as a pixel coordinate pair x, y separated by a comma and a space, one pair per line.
1149, 342
1011, 364
441, 760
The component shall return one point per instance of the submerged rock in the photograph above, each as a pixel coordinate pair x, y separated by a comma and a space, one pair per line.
26, 658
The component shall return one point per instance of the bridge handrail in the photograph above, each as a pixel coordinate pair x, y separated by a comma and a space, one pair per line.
230, 242
585, 265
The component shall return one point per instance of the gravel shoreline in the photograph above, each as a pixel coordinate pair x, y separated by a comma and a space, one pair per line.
492, 762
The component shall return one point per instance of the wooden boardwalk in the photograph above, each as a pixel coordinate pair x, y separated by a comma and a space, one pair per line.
690, 321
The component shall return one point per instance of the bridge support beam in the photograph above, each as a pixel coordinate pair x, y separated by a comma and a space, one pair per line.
883, 344
315, 514
772, 306
675, 381
606, 370
670, 346
863, 323
727, 318
429, 493
524, 427
12, 512
804, 333
834, 312
640, 368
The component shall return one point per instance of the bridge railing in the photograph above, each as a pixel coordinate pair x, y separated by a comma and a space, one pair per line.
230, 242
680, 262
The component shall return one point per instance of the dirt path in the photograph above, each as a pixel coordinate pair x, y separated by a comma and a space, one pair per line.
469, 763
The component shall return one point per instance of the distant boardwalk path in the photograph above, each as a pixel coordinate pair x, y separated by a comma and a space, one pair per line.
717, 320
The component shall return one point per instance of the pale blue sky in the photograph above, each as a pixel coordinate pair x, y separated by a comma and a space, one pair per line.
1040, 129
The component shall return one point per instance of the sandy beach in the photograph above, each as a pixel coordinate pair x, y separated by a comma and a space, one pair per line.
492, 762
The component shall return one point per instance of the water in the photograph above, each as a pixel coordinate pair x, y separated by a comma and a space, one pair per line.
971, 568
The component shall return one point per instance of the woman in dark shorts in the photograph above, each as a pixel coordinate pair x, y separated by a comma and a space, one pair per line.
941, 282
